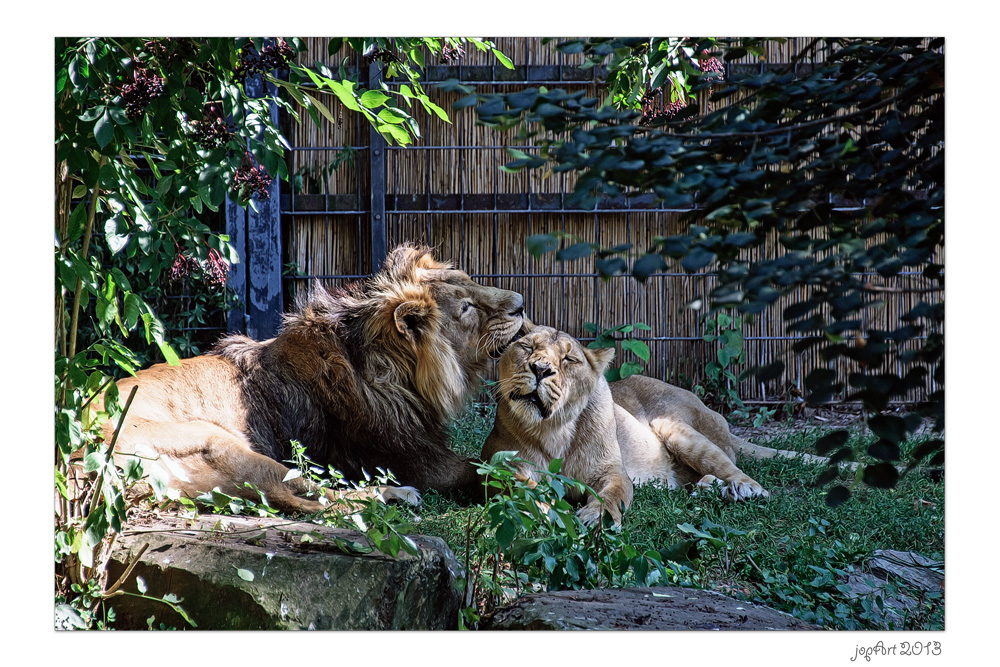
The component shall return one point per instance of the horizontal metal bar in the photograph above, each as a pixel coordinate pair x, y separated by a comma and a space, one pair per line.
569, 275
285, 211
329, 148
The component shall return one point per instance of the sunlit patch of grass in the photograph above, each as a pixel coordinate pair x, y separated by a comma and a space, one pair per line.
789, 537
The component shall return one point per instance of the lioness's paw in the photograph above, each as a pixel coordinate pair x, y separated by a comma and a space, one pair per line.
591, 515
403, 494
738, 490
706, 483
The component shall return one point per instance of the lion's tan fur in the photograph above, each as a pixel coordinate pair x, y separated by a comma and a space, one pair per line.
367, 376
634, 431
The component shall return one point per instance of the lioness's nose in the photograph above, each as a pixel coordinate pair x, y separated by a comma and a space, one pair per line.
541, 369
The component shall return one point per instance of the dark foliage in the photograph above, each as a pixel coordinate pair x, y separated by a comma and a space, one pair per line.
842, 162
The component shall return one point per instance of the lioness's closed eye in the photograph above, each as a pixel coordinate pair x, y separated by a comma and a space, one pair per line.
554, 402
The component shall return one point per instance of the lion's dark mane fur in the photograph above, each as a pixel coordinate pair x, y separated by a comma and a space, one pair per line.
334, 380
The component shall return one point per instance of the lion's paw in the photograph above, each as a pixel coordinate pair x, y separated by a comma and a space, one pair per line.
403, 494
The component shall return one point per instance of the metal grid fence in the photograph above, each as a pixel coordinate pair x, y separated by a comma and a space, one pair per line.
448, 192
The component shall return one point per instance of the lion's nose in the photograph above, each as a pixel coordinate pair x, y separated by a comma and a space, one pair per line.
517, 308
541, 369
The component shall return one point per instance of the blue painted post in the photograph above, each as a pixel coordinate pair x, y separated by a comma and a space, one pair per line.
264, 250
236, 228
258, 232
377, 147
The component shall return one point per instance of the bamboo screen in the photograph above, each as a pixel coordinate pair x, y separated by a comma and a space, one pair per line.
447, 191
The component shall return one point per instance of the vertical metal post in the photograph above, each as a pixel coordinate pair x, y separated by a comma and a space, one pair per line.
377, 154
257, 237
264, 305
236, 228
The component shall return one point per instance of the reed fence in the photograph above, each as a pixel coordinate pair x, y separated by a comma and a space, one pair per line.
447, 191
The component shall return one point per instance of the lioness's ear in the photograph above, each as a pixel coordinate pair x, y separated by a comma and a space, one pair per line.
412, 318
599, 358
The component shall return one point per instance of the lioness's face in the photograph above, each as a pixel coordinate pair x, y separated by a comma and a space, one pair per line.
479, 321
549, 375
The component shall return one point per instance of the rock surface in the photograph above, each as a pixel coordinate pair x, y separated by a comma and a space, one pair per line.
899, 579
639, 609
242, 573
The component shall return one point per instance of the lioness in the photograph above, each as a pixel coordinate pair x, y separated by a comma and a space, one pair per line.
365, 376
553, 402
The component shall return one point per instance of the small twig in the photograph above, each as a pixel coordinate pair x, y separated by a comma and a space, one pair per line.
755, 566
88, 229
868, 287
789, 128
128, 570
96, 393
114, 439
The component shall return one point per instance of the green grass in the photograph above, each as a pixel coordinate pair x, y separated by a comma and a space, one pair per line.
795, 548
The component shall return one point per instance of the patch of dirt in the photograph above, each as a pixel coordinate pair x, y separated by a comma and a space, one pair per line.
827, 418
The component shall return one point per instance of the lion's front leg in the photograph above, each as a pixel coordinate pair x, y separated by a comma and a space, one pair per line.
197, 457
707, 459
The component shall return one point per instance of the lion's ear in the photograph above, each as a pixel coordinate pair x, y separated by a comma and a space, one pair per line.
412, 319
599, 358
527, 326
405, 258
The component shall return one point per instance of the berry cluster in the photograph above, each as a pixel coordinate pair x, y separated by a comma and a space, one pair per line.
216, 269
215, 272
384, 56
272, 56
709, 63
137, 95
212, 131
451, 54
651, 112
252, 181
181, 268
169, 49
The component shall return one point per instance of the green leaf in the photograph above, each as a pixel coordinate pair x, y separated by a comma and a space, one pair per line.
881, 475
503, 59
636, 347
245, 575
393, 116
344, 94
647, 265
541, 244
630, 368
322, 108
697, 258
838, 495
438, 111
888, 427
395, 132
373, 98
104, 130
116, 242
575, 251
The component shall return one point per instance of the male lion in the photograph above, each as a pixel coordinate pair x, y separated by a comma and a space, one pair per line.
553, 402
366, 376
